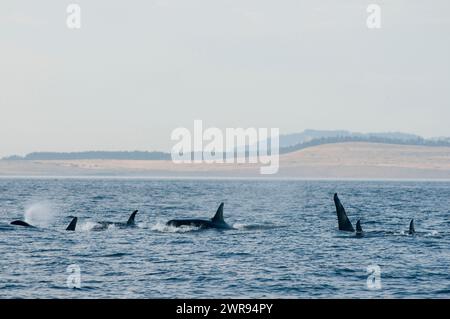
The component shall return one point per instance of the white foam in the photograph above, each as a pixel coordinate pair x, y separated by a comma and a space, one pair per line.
86, 226
141, 225
164, 228
240, 226
434, 233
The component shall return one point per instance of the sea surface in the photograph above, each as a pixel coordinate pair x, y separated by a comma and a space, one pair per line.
285, 243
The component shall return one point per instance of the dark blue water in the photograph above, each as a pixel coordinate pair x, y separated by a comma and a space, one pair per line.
285, 243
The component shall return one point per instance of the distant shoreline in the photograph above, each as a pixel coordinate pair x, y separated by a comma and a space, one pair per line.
222, 178
288, 144
339, 161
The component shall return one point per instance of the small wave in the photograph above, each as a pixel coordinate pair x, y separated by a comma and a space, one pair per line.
101, 197
5, 227
116, 255
239, 226
443, 291
433, 233
164, 228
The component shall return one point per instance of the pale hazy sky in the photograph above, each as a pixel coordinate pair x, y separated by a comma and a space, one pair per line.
138, 69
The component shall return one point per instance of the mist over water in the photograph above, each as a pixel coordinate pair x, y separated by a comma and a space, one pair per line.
285, 243
40, 214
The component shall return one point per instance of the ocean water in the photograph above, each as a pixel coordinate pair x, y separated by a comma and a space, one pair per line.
285, 243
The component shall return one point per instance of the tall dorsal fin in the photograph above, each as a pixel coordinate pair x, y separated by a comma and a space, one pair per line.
131, 219
73, 224
343, 221
218, 217
411, 227
358, 227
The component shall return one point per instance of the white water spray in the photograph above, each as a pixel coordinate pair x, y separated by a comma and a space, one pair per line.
40, 214
164, 228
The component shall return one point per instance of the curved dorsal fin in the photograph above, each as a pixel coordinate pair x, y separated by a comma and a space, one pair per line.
411, 227
343, 221
218, 217
73, 224
131, 219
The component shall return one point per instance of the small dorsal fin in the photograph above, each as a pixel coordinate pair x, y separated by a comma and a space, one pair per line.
131, 219
73, 224
358, 226
218, 217
411, 227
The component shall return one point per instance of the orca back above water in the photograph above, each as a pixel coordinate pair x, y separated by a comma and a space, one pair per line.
21, 223
129, 223
343, 221
71, 227
216, 222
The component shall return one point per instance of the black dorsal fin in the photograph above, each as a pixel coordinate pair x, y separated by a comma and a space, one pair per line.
73, 224
343, 221
411, 227
358, 227
218, 217
131, 219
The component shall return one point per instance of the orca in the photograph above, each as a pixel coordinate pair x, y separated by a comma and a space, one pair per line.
129, 223
21, 223
216, 222
343, 221
71, 227
359, 231
412, 230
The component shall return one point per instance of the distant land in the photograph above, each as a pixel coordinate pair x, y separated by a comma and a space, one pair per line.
310, 154
288, 143
348, 160
106, 155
